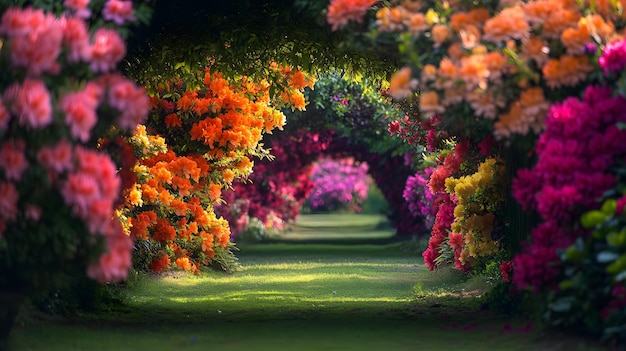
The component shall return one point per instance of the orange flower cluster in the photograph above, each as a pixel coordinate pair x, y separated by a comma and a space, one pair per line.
196, 143
496, 60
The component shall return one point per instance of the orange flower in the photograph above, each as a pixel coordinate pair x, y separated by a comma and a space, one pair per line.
429, 104
510, 23
527, 113
416, 23
215, 192
148, 193
537, 12
557, 22
159, 264
228, 175
440, 34
207, 242
448, 74
485, 103
429, 73
391, 19
456, 51
496, 64
184, 263
470, 36
134, 197
535, 49
185, 103
566, 71
474, 71
575, 39
172, 120
402, 85
596, 25
163, 231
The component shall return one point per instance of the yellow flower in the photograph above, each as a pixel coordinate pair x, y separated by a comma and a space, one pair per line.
432, 17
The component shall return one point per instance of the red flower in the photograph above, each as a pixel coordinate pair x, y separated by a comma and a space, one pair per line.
506, 268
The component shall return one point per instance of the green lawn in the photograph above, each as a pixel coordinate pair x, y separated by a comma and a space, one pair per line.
294, 296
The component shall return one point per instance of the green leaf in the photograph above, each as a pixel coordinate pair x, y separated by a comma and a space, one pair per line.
566, 284
617, 239
618, 266
592, 218
573, 254
609, 207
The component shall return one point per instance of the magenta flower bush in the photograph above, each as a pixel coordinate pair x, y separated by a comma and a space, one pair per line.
419, 197
339, 184
579, 146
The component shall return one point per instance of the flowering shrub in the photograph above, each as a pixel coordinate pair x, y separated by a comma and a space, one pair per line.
474, 233
576, 151
61, 93
200, 140
339, 184
419, 197
278, 187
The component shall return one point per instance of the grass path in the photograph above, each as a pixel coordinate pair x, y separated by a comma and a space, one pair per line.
292, 296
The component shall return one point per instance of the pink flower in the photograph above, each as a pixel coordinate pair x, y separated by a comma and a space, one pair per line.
429, 258
33, 212
80, 7
32, 104
56, 158
101, 167
100, 212
18, 22
613, 59
455, 240
559, 202
113, 265
5, 116
12, 159
107, 51
340, 12
80, 113
76, 38
130, 100
79, 191
621, 204
118, 11
37, 48
8, 201
536, 268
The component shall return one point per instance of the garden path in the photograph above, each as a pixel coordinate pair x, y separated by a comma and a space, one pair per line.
364, 292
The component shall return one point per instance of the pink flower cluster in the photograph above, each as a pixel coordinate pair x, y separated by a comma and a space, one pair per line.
613, 59
579, 145
419, 197
339, 183
37, 38
441, 229
86, 179
340, 12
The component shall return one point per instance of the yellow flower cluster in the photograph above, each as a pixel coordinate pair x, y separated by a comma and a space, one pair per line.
480, 196
147, 145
